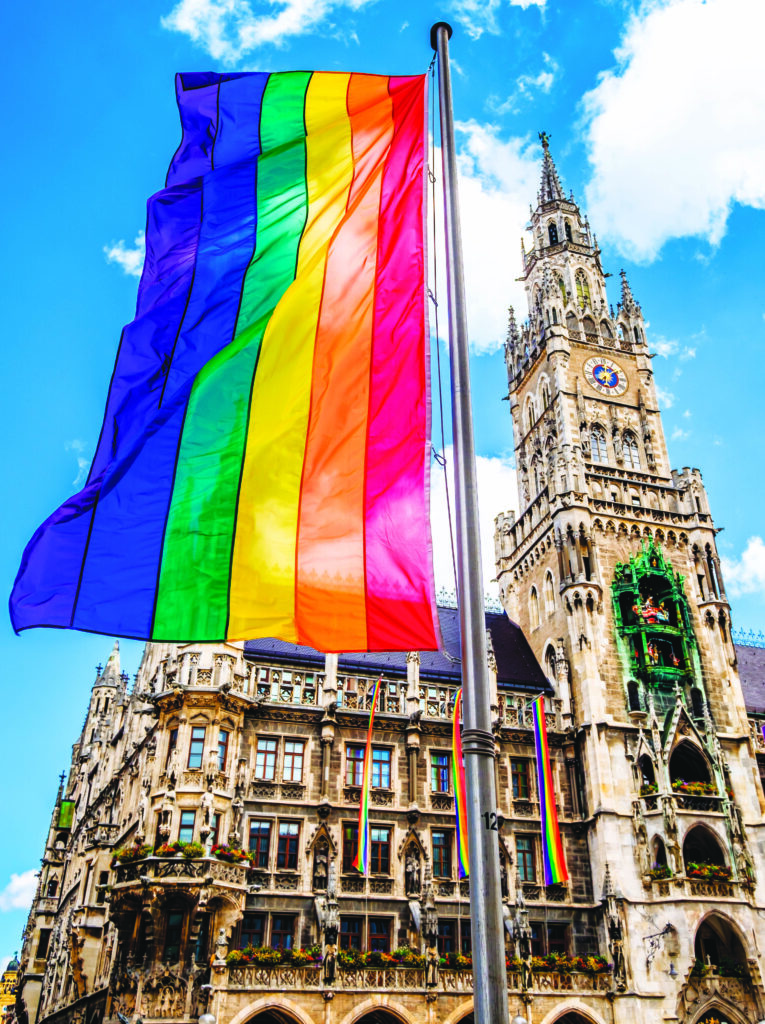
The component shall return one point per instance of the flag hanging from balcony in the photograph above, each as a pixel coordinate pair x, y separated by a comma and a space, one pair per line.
460, 796
361, 860
263, 462
552, 847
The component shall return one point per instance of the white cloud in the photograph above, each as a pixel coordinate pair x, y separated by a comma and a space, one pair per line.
19, 892
229, 29
83, 464
664, 397
526, 87
747, 575
678, 434
677, 127
687, 353
687, 414
131, 260
497, 492
664, 347
496, 181
479, 16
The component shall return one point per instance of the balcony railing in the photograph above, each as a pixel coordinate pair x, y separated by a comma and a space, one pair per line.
254, 977
181, 869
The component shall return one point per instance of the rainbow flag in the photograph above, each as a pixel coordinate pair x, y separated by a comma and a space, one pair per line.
361, 860
460, 795
552, 847
263, 463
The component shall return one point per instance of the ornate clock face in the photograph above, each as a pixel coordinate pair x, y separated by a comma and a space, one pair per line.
605, 376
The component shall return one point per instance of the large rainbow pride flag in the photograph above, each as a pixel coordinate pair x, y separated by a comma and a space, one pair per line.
262, 468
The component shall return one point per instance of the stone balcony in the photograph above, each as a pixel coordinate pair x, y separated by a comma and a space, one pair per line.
173, 870
253, 978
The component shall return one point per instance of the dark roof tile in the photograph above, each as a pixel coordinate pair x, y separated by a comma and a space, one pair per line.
517, 668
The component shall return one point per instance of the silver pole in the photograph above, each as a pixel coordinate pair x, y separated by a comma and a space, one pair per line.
489, 973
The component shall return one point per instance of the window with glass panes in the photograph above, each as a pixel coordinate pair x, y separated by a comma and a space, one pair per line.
354, 766
466, 937
203, 939
379, 934
260, 842
380, 768
447, 937
350, 932
222, 750
252, 931
350, 846
196, 746
442, 854
439, 773
287, 850
282, 931
536, 935
293, 760
186, 828
519, 771
379, 850
215, 833
524, 848
265, 760
173, 933
557, 938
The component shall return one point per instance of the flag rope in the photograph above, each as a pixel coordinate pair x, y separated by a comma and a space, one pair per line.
361, 860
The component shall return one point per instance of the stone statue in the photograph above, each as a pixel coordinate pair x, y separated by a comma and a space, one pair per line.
503, 877
143, 812
320, 866
206, 805
237, 806
221, 945
412, 871
431, 967
330, 964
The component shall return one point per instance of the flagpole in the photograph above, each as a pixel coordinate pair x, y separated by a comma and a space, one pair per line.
489, 972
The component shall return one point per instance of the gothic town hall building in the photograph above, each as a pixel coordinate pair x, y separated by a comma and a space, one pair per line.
199, 855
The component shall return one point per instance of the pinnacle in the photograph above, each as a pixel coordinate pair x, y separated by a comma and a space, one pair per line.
550, 188
627, 303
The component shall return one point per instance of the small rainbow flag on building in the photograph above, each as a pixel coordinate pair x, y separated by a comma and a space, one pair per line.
552, 846
361, 860
263, 463
460, 794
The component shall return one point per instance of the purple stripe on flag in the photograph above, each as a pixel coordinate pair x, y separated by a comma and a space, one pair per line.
145, 468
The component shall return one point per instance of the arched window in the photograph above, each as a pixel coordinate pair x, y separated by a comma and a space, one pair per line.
636, 332
633, 695
545, 394
555, 315
572, 325
688, 764
567, 229
552, 231
562, 286
549, 594
606, 333
550, 665
701, 848
647, 774
598, 449
659, 854
582, 289
631, 451
531, 414
52, 887
589, 328
534, 608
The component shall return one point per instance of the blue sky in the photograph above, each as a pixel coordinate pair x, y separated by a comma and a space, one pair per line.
654, 111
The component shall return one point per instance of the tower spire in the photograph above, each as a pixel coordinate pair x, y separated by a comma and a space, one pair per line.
550, 188
627, 302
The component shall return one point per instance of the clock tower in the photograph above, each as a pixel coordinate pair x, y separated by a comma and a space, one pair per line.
612, 570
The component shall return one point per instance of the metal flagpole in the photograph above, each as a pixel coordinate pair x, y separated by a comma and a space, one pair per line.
489, 973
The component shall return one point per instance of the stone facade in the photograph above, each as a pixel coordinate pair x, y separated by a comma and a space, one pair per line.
148, 908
